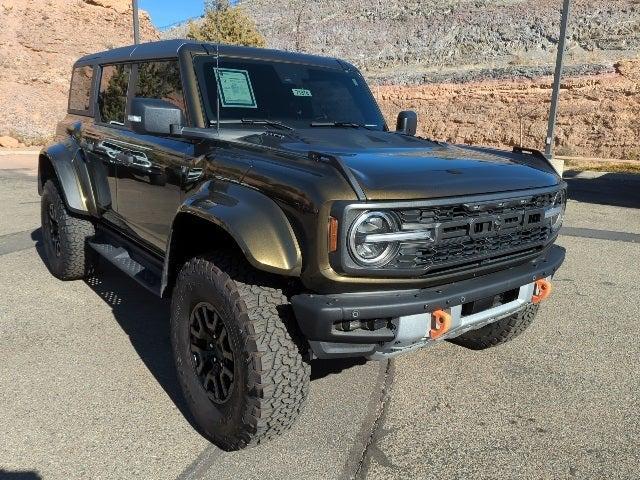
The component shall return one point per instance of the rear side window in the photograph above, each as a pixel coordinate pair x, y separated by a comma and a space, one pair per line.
112, 98
160, 80
80, 91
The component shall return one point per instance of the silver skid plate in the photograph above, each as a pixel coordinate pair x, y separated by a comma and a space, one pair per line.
413, 330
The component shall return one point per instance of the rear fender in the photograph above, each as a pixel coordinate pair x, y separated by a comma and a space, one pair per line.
68, 162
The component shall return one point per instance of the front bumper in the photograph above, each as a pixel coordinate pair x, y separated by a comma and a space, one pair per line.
322, 318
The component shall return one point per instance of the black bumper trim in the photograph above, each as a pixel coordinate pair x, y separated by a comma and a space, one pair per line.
316, 314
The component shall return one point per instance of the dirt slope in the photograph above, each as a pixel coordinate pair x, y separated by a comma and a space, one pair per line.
474, 70
411, 41
39, 41
599, 116
477, 71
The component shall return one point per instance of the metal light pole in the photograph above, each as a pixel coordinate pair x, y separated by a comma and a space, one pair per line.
136, 23
555, 95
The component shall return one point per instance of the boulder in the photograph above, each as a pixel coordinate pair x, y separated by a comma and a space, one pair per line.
10, 142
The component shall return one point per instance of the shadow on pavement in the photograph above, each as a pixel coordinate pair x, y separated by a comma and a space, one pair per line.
615, 189
145, 319
324, 368
19, 475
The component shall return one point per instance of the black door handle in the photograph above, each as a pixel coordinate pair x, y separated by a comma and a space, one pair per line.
124, 158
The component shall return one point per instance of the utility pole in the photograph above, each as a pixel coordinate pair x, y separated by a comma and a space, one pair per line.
136, 23
555, 95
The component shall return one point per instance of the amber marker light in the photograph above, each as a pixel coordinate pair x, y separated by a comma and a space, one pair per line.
333, 234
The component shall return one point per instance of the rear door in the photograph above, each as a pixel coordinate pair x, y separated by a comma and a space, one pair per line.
106, 138
150, 175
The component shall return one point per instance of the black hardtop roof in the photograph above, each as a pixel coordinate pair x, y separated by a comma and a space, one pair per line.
171, 49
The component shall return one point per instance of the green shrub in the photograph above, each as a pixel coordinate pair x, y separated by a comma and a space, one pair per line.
223, 23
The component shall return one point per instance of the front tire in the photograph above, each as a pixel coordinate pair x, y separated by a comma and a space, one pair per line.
498, 332
65, 237
242, 375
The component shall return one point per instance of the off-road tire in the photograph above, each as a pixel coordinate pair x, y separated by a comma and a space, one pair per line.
498, 332
73, 259
271, 378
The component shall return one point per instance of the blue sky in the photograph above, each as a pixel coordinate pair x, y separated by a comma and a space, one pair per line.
166, 12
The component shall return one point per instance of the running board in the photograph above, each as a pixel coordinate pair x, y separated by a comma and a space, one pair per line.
130, 259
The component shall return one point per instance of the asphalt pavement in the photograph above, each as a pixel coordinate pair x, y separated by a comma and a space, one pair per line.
87, 387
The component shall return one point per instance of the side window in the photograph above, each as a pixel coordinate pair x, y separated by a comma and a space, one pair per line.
160, 80
80, 91
112, 99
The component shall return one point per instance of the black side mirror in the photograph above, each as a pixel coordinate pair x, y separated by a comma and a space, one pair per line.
407, 122
150, 116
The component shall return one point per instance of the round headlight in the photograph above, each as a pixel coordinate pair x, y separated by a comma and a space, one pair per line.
365, 248
556, 212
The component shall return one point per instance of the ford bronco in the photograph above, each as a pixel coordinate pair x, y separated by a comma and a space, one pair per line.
264, 193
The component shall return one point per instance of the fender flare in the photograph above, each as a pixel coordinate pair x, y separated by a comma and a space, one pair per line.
256, 223
69, 166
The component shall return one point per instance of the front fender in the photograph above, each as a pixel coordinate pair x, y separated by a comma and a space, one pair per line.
68, 163
254, 221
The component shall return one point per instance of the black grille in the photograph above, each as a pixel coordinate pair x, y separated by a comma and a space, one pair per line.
452, 251
474, 233
449, 213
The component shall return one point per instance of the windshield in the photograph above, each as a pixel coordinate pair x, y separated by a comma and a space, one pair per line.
293, 94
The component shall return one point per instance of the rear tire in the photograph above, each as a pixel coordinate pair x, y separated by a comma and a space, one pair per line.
65, 237
498, 332
249, 386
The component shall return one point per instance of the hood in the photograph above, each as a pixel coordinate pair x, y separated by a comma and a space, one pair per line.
389, 166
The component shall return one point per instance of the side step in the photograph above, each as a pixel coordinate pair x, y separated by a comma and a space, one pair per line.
131, 259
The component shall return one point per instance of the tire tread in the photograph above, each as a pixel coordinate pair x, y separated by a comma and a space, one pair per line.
76, 260
278, 376
499, 332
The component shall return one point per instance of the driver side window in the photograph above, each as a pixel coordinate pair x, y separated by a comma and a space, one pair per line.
112, 98
160, 80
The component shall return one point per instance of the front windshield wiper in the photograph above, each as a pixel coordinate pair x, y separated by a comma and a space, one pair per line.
271, 123
342, 125
256, 121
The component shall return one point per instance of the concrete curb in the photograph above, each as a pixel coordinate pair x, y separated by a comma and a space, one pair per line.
18, 152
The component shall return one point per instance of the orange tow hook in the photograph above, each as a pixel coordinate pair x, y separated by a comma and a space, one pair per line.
541, 291
440, 324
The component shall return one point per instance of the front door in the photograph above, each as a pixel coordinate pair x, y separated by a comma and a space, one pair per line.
149, 185
150, 173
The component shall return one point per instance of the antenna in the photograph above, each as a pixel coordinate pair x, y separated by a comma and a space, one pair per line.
218, 88
217, 69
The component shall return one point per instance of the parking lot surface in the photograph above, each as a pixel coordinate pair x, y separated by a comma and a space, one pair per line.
87, 387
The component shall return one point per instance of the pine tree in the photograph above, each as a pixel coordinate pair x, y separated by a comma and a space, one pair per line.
224, 23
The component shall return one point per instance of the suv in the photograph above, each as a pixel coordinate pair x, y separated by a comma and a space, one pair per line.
263, 192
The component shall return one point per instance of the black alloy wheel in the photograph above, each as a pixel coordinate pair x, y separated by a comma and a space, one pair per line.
52, 233
242, 374
211, 352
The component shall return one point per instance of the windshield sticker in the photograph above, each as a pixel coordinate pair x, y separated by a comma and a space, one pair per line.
301, 92
235, 88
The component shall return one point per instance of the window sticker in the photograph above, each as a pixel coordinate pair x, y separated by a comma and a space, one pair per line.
301, 92
235, 88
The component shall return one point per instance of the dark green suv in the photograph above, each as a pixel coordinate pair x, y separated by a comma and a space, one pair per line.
265, 194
